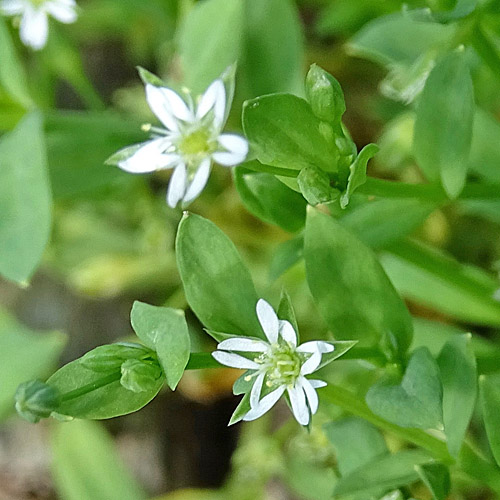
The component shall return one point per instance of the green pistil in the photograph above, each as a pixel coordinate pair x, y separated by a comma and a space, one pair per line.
282, 365
196, 143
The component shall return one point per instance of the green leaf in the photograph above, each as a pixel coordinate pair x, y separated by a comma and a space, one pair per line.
25, 199
325, 95
285, 256
432, 278
24, 355
341, 347
87, 465
349, 286
139, 376
12, 75
315, 186
164, 330
387, 472
490, 402
356, 443
380, 222
272, 51
206, 52
436, 477
96, 395
398, 38
357, 175
457, 365
218, 286
270, 200
443, 127
284, 133
416, 401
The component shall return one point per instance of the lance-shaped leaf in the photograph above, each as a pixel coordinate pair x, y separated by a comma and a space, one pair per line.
25, 199
351, 290
490, 401
218, 285
436, 477
164, 330
457, 365
443, 128
416, 401
285, 133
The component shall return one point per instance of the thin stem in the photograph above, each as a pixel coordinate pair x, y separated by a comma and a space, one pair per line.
85, 389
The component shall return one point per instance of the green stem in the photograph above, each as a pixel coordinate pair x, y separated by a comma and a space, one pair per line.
268, 169
85, 389
470, 461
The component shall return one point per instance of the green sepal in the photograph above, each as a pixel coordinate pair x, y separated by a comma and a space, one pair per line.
325, 95
242, 386
150, 78
139, 376
341, 347
287, 312
315, 186
241, 410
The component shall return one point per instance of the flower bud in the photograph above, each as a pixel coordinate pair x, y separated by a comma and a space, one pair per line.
36, 400
139, 376
324, 95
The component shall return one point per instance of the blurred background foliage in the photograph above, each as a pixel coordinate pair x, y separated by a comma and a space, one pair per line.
112, 235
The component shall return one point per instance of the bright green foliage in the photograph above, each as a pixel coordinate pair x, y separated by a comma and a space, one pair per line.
490, 402
315, 186
85, 393
164, 330
270, 200
416, 401
436, 477
25, 199
285, 133
350, 288
139, 375
86, 464
217, 283
457, 366
443, 128
387, 472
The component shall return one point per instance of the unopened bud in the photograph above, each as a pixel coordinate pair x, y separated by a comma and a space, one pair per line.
36, 400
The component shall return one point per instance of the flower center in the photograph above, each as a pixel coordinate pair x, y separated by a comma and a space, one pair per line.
282, 364
196, 143
38, 3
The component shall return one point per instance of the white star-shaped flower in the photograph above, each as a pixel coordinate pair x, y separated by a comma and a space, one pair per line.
34, 25
276, 366
189, 142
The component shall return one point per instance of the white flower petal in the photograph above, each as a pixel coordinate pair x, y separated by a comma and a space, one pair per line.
168, 106
317, 383
310, 392
62, 11
34, 28
12, 7
199, 181
265, 404
311, 364
147, 158
177, 185
316, 345
256, 390
213, 98
234, 360
287, 332
236, 150
298, 402
243, 344
268, 320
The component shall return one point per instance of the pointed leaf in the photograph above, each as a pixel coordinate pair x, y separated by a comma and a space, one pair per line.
490, 401
436, 477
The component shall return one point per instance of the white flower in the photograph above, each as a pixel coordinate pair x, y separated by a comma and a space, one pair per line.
34, 25
277, 366
190, 140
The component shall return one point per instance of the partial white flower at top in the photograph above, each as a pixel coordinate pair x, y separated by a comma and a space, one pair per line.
276, 366
34, 14
189, 142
